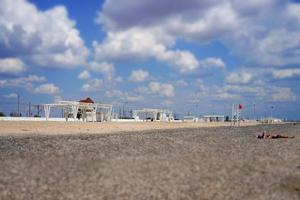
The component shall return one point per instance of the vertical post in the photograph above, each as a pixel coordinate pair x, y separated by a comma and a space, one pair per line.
65, 113
254, 114
272, 114
47, 109
239, 116
29, 109
234, 114
95, 114
38, 110
74, 111
18, 105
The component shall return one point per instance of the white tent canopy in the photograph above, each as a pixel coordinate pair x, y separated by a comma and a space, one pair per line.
72, 108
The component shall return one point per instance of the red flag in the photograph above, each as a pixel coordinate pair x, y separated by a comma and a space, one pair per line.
241, 106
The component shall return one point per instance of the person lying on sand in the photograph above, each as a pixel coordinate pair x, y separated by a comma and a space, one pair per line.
264, 135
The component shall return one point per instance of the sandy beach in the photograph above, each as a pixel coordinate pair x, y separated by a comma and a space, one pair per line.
57, 128
194, 163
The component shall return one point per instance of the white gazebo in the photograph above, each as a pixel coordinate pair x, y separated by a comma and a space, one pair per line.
85, 111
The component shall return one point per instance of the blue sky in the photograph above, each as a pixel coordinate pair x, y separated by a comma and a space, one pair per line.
197, 56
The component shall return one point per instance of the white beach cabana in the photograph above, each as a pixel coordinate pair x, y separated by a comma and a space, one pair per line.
213, 118
87, 111
153, 114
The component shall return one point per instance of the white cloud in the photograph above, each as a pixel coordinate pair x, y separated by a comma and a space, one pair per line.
47, 88
46, 38
103, 67
164, 89
226, 96
118, 79
139, 44
284, 95
11, 66
213, 62
262, 32
123, 96
131, 98
285, 73
139, 75
181, 83
113, 94
84, 75
93, 85
200, 85
107, 69
22, 82
239, 78
184, 61
11, 96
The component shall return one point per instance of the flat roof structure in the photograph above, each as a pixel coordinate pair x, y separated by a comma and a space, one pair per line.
73, 107
154, 114
214, 118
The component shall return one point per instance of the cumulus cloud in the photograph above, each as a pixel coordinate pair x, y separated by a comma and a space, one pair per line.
139, 75
253, 30
105, 68
199, 84
46, 38
133, 98
11, 66
239, 78
84, 75
226, 96
142, 44
113, 93
11, 96
181, 83
164, 89
47, 88
285, 73
213, 62
22, 82
123, 96
284, 95
93, 85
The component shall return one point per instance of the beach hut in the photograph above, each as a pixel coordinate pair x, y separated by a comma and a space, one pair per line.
153, 114
213, 118
190, 118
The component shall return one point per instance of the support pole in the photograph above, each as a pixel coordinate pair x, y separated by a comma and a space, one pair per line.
74, 111
47, 109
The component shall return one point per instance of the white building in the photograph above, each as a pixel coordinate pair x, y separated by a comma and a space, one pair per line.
190, 118
213, 118
153, 115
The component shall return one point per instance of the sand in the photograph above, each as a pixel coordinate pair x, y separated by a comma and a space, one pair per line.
195, 163
57, 128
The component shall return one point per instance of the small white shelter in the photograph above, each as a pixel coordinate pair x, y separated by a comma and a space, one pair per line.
213, 118
153, 114
190, 118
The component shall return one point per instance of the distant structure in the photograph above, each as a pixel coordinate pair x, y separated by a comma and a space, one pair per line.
236, 114
213, 118
190, 118
153, 114
271, 120
83, 110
